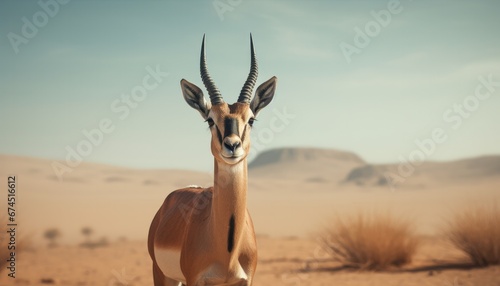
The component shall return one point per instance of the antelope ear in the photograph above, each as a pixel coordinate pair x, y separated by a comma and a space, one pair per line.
194, 97
263, 95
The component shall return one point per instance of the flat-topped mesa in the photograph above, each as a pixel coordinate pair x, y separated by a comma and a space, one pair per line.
301, 155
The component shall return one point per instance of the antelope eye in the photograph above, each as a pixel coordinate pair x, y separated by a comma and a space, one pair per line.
251, 121
210, 122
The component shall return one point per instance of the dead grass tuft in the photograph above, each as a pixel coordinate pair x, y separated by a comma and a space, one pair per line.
476, 231
371, 242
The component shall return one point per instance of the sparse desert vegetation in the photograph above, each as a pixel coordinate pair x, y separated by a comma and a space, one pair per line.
87, 232
52, 235
89, 243
476, 231
371, 242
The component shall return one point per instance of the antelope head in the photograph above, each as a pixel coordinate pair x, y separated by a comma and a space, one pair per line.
230, 124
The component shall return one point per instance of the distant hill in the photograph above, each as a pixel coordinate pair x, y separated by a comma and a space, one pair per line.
434, 172
302, 155
309, 164
312, 165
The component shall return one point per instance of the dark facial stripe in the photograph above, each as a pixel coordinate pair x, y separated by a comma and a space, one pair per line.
244, 133
230, 127
219, 135
230, 236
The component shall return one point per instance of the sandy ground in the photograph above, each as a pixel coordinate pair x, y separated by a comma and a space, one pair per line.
282, 261
119, 203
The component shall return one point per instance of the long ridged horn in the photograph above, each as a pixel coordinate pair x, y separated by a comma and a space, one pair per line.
213, 91
247, 90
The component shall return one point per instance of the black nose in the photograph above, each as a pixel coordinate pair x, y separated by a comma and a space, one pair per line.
232, 146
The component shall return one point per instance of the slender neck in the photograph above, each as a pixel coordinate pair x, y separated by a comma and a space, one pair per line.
229, 203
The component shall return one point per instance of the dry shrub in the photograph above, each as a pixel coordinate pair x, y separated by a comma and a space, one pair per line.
476, 231
371, 242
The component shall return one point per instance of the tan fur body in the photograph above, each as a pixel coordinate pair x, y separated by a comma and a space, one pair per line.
194, 221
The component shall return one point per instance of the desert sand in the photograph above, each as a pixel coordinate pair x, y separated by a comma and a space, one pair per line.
293, 194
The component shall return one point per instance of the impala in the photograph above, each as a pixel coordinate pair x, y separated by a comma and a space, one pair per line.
205, 236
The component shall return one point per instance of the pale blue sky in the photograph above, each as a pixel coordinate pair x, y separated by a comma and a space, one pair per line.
395, 91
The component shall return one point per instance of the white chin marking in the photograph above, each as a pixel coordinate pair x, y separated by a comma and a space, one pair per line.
169, 261
232, 160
